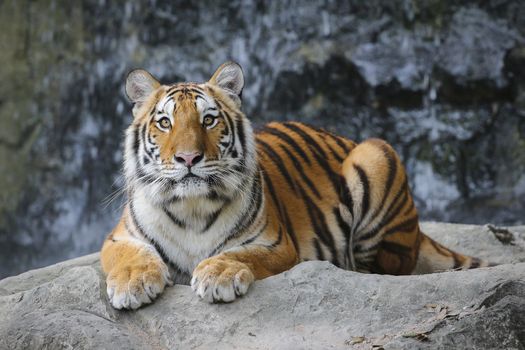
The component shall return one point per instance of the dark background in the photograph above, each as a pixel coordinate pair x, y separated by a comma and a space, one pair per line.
443, 81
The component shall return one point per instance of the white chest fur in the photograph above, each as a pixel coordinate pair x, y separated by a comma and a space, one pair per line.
188, 244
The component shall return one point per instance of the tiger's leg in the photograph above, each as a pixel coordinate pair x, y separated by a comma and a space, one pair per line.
386, 237
384, 223
223, 277
136, 274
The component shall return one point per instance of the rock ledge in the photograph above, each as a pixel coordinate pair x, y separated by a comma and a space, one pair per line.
313, 306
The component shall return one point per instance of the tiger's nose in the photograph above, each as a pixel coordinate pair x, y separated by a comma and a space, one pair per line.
189, 159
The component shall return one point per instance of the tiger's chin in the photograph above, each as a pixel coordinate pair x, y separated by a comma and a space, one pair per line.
191, 188
161, 192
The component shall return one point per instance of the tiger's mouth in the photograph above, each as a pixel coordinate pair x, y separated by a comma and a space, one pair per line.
194, 182
177, 176
192, 178
191, 175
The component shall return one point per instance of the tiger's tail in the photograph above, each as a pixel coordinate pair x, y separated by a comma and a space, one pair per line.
434, 257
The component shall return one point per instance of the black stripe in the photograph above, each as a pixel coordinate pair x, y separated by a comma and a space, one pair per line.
173, 218
381, 226
128, 229
407, 225
168, 98
279, 238
229, 123
318, 250
278, 161
410, 206
257, 235
301, 171
247, 219
392, 211
345, 229
306, 137
150, 138
337, 140
320, 226
330, 173
197, 96
282, 211
345, 197
172, 89
319, 157
271, 189
256, 201
212, 218
343, 225
290, 231
286, 138
214, 196
401, 195
334, 153
395, 248
392, 172
136, 141
324, 135
240, 131
195, 90
142, 136
250, 240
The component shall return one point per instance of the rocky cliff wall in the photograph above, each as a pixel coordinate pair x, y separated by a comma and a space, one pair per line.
443, 81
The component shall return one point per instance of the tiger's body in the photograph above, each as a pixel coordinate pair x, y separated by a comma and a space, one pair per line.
210, 199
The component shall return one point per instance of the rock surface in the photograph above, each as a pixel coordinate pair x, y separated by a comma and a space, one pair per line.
313, 306
443, 81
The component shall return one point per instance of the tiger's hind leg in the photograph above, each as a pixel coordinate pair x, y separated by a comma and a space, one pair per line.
379, 208
377, 204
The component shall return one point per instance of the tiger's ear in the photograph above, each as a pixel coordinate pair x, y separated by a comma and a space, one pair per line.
229, 77
139, 85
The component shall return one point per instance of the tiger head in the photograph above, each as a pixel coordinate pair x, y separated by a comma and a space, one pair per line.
188, 140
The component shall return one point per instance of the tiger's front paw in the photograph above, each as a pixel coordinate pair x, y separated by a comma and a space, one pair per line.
131, 286
221, 280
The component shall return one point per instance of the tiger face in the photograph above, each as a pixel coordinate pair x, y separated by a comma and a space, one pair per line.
188, 140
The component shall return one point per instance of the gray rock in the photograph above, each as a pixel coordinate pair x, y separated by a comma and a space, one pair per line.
313, 306
467, 55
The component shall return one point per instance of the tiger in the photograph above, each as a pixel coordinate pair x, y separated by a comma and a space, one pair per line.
217, 205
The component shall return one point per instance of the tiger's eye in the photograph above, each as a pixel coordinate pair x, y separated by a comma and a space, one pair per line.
164, 123
208, 120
